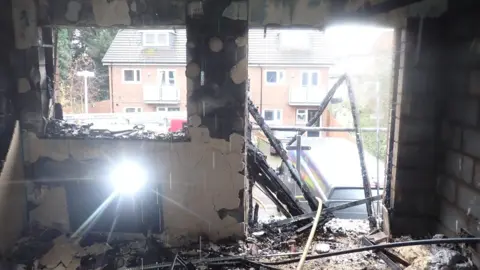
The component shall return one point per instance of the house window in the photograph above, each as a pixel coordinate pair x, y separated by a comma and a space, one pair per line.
310, 78
301, 117
272, 115
156, 39
304, 116
274, 76
167, 77
131, 75
168, 109
133, 110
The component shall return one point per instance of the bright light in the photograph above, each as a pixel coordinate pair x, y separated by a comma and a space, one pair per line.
128, 177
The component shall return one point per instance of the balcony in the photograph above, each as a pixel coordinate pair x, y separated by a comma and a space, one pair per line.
165, 94
305, 96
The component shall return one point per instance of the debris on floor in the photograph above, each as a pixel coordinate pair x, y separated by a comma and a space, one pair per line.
49, 249
64, 129
443, 256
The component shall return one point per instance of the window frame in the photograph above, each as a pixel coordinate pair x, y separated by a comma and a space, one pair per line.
137, 109
276, 112
310, 72
296, 116
167, 109
166, 72
134, 76
306, 116
280, 79
156, 43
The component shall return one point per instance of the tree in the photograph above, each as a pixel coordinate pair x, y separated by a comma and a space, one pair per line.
364, 85
82, 49
95, 43
71, 90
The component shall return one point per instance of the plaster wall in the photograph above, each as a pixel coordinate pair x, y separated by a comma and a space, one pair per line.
196, 180
13, 203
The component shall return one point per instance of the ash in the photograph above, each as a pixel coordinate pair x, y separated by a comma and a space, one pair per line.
64, 129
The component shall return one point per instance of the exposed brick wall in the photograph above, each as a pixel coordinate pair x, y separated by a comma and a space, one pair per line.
414, 206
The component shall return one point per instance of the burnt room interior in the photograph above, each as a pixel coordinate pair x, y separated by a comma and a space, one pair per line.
63, 214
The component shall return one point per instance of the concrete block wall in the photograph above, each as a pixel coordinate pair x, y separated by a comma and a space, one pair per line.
458, 177
413, 205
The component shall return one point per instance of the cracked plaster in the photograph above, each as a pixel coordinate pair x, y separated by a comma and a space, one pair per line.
201, 176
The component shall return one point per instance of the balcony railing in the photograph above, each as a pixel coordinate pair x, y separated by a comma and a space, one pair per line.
165, 94
305, 96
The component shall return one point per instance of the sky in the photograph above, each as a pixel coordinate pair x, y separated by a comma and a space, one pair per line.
352, 39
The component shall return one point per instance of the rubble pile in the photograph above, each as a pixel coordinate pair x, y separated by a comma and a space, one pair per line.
440, 256
64, 129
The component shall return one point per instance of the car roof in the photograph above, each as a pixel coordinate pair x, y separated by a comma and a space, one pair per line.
337, 160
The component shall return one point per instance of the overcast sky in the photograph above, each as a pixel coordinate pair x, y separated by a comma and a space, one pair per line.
352, 39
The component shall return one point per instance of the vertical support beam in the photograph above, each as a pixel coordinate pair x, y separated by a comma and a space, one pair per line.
29, 67
217, 77
217, 37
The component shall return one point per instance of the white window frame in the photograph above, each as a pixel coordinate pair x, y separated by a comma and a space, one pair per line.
137, 109
166, 73
297, 122
310, 72
137, 79
276, 113
156, 42
306, 116
280, 76
167, 109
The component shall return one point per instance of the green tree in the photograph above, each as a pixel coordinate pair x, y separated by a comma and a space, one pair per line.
95, 43
75, 46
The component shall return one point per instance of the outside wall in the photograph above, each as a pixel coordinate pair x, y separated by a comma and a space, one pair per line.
276, 96
131, 94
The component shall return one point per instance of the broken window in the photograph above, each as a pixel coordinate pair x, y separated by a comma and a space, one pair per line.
131, 75
274, 76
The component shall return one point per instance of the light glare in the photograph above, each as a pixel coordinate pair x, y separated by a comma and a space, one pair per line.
128, 178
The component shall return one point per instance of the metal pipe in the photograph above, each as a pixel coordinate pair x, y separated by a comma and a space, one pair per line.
358, 139
324, 255
276, 144
333, 129
299, 159
381, 246
377, 127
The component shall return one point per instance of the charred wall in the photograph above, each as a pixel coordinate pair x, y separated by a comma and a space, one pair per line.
204, 175
418, 95
197, 181
458, 174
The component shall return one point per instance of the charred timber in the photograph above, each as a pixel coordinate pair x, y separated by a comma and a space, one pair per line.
275, 143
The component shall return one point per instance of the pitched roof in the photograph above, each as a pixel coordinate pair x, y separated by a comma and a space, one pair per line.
127, 48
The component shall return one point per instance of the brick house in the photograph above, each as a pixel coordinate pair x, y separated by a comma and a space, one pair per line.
288, 72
